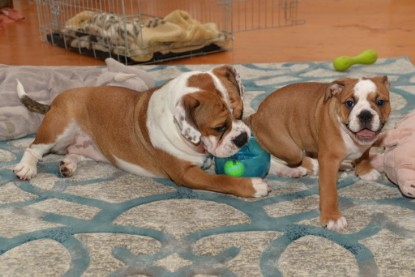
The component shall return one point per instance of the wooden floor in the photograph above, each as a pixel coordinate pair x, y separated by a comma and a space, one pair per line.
331, 28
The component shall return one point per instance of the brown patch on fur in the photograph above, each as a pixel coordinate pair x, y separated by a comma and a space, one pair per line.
199, 107
226, 75
362, 165
203, 81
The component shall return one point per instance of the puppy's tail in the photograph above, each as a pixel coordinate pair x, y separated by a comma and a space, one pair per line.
30, 104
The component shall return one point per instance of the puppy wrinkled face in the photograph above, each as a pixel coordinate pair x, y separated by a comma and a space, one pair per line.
215, 112
365, 107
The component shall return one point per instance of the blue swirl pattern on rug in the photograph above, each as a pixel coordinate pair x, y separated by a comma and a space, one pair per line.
106, 222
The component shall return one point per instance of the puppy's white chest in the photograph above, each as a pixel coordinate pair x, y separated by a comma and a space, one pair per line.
353, 150
161, 127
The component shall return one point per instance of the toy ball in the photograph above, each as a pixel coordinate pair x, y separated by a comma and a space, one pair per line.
250, 161
344, 62
234, 168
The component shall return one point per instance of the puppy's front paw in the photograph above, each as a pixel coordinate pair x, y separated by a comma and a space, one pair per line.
372, 175
25, 171
261, 188
282, 170
337, 225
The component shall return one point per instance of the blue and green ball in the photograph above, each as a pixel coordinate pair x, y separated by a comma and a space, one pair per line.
234, 168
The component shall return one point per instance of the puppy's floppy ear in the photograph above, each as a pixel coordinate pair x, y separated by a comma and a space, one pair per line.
384, 80
184, 117
335, 88
232, 75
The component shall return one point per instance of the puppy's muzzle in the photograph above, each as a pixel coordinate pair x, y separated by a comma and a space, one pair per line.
241, 139
365, 118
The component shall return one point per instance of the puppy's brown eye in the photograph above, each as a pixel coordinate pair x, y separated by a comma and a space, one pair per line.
380, 102
221, 129
350, 103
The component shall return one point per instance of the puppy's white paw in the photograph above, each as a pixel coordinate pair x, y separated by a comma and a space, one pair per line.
346, 165
297, 172
337, 225
282, 170
261, 187
372, 175
67, 168
69, 164
25, 171
315, 167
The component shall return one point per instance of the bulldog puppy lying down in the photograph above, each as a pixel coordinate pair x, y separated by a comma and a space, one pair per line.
170, 131
331, 121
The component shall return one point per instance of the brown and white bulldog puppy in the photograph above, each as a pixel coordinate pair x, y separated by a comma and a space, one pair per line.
170, 131
334, 122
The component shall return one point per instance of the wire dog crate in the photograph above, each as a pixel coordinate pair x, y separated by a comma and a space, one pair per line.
152, 31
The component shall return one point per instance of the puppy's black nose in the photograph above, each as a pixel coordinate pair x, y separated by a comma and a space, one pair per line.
365, 116
241, 139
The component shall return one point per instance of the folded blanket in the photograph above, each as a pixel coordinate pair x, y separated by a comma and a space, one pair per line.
44, 83
140, 38
195, 34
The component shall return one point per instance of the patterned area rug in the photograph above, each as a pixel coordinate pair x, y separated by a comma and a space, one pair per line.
105, 222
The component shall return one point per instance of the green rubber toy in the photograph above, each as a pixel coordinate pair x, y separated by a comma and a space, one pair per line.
344, 62
234, 168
